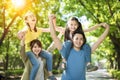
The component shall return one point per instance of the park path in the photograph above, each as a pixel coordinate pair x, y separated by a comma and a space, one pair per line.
100, 74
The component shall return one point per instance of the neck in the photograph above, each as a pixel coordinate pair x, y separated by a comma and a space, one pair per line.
71, 32
37, 56
31, 27
70, 35
76, 48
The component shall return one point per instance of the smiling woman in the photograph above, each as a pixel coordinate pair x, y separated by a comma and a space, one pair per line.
18, 3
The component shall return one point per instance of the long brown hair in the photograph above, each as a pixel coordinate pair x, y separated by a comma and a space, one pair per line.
67, 31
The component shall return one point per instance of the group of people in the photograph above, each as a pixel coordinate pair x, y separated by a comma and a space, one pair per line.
75, 52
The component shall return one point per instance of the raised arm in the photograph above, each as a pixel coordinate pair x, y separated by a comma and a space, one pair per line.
93, 27
102, 37
21, 33
57, 28
22, 51
56, 40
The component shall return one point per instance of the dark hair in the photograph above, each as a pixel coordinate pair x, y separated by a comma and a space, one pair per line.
26, 16
67, 31
80, 32
35, 41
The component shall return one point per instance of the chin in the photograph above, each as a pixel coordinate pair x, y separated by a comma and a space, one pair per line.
78, 47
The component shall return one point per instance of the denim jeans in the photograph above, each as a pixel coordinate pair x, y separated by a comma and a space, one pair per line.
48, 56
36, 64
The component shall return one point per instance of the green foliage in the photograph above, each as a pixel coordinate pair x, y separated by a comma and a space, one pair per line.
115, 73
46, 40
10, 49
96, 11
14, 72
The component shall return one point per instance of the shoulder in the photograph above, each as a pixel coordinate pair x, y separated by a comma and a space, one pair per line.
67, 43
86, 47
39, 29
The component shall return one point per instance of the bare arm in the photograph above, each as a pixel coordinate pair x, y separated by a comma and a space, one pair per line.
97, 43
62, 29
45, 29
56, 40
102, 37
52, 47
93, 28
21, 33
57, 28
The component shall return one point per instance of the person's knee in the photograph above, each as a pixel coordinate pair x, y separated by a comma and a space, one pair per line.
46, 54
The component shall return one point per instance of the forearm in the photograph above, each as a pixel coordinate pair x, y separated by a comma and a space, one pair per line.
54, 36
92, 28
101, 38
57, 28
60, 29
52, 46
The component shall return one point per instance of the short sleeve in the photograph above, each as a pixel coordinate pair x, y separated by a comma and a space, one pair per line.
66, 49
87, 50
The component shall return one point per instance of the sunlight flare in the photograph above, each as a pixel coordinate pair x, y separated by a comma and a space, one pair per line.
18, 3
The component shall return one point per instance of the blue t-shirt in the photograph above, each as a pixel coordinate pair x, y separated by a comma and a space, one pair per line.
76, 61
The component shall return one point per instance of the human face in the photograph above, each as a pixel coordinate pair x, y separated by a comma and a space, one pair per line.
78, 41
72, 25
36, 49
31, 20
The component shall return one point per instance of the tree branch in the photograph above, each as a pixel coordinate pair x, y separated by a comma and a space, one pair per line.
4, 17
7, 28
111, 13
89, 11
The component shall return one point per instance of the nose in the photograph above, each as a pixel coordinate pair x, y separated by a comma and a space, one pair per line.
79, 41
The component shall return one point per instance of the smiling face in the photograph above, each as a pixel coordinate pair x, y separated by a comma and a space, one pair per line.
72, 25
36, 46
31, 20
78, 41
36, 49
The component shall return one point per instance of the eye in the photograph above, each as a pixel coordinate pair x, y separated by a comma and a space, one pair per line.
81, 38
71, 24
76, 38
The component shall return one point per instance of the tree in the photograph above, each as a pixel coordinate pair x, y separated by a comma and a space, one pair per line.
12, 20
99, 11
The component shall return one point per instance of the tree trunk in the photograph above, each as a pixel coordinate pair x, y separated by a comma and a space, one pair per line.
116, 43
7, 55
